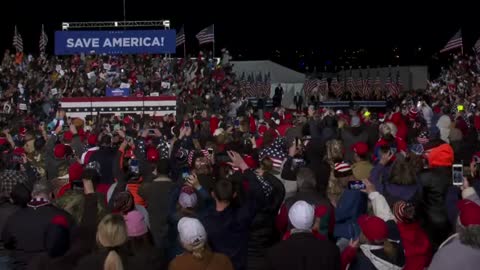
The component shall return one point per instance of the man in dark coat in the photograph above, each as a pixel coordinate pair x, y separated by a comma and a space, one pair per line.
227, 225
431, 197
24, 233
302, 249
298, 101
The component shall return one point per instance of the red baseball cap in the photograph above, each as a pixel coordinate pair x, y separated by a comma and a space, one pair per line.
469, 213
360, 148
59, 151
92, 139
374, 228
152, 155
68, 136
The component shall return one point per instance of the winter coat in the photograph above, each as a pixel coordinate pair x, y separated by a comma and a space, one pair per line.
322, 207
373, 257
351, 136
81, 246
228, 230
210, 261
156, 194
262, 230
96, 261
453, 254
392, 192
351, 205
303, 251
431, 203
418, 251
24, 232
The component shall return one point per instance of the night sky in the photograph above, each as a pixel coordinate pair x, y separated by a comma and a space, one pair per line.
297, 34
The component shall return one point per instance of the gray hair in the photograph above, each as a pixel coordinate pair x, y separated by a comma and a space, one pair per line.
470, 235
306, 179
42, 188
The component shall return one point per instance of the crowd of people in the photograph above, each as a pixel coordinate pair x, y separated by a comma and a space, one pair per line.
225, 185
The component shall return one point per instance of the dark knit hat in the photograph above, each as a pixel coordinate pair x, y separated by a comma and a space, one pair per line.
123, 202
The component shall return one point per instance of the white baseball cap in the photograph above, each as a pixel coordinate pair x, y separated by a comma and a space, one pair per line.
301, 215
191, 231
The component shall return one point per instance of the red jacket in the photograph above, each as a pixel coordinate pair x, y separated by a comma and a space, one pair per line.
418, 250
399, 122
476, 122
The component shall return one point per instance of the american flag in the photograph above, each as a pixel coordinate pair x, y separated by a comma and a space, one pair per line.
476, 48
337, 87
17, 41
276, 152
455, 42
249, 89
207, 35
181, 36
377, 86
267, 85
310, 86
323, 87
370, 85
350, 84
43, 41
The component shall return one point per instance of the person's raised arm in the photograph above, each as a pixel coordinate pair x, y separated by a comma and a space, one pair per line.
141, 155
76, 142
380, 206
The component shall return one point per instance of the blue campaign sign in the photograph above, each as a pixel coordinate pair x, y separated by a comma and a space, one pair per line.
118, 92
115, 42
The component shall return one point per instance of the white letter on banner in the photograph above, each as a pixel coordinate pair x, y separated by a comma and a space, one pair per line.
126, 42
70, 43
117, 42
146, 42
95, 42
107, 43
79, 43
155, 42
134, 42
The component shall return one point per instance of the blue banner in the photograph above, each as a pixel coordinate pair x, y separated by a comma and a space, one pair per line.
115, 42
118, 92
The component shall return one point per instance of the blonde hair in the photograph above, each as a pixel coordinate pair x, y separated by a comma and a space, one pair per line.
197, 250
334, 151
112, 233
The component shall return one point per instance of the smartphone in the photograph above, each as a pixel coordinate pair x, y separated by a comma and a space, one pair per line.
236, 122
134, 166
457, 174
185, 174
210, 151
356, 185
186, 124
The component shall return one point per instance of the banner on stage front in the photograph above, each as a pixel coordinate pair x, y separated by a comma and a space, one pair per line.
118, 92
115, 42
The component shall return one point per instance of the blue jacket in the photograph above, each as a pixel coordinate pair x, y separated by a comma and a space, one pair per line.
392, 192
351, 205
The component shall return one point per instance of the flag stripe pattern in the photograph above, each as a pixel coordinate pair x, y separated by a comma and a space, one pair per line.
455, 42
207, 35
309, 87
17, 41
43, 41
181, 36
276, 152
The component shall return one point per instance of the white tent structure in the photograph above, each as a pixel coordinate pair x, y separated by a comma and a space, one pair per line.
291, 80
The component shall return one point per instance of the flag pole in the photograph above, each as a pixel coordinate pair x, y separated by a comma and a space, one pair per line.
184, 50
213, 26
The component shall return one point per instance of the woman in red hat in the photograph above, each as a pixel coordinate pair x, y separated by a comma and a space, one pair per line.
379, 245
